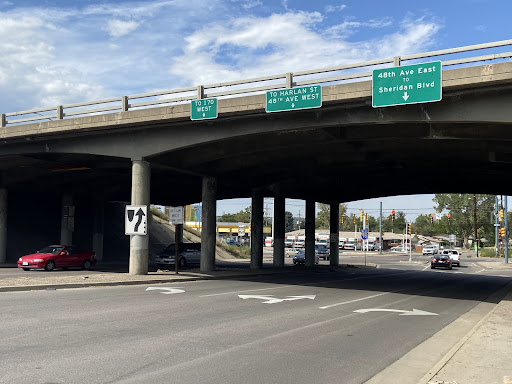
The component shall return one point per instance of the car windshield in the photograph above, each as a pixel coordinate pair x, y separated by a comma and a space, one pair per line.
54, 250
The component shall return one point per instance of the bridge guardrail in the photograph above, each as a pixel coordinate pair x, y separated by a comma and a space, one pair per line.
228, 89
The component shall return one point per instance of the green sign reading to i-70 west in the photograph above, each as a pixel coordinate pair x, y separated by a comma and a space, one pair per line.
203, 109
410, 84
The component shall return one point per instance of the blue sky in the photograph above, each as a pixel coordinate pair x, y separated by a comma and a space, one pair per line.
62, 52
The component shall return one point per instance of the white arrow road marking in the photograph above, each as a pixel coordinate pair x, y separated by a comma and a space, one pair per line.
169, 291
405, 96
272, 300
414, 312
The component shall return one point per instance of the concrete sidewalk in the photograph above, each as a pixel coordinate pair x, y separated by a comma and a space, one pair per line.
466, 352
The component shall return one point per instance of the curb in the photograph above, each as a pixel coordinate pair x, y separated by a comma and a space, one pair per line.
502, 293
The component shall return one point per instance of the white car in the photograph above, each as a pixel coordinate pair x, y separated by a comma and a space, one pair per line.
454, 255
429, 250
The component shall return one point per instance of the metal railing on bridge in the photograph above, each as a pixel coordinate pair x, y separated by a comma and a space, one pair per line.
337, 74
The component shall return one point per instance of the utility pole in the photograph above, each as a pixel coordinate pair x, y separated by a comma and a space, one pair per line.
474, 223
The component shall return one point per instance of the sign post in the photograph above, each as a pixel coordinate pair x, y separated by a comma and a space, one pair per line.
408, 84
176, 218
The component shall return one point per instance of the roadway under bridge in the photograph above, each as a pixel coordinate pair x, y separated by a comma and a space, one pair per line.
344, 151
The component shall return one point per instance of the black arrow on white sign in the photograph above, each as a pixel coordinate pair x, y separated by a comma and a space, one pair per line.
139, 213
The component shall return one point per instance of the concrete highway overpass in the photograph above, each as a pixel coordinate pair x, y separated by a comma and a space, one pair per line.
346, 150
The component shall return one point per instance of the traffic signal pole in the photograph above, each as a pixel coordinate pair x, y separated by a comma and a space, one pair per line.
506, 230
496, 225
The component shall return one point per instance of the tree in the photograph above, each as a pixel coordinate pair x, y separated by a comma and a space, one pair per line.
289, 222
322, 220
461, 208
240, 217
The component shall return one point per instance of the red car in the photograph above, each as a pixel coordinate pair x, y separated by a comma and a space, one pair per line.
58, 256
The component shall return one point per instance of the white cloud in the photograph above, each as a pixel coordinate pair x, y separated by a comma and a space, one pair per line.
335, 8
66, 55
289, 42
118, 28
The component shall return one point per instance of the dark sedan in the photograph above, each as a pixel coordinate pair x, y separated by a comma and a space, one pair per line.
300, 258
443, 261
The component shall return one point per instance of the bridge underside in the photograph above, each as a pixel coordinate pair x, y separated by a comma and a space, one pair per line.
328, 164
341, 152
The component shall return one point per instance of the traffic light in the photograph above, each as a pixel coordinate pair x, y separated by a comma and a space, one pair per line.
431, 219
409, 228
382, 234
501, 215
354, 218
366, 218
341, 219
361, 215
502, 232
393, 215
449, 218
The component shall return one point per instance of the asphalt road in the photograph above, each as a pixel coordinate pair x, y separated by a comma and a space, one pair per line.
320, 326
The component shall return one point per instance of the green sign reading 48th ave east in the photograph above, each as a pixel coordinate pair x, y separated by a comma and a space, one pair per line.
408, 84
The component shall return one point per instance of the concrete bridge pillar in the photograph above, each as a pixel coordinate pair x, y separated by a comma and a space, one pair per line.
67, 222
98, 229
279, 229
3, 225
139, 244
257, 229
334, 238
209, 222
310, 233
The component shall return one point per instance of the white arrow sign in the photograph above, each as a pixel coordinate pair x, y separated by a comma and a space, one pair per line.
272, 300
414, 312
168, 291
405, 96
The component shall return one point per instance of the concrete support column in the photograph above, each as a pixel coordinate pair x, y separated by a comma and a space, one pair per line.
257, 229
67, 220
209, 222
334, 238
98, 229
310, 233
279, 229
139, 244
3, 225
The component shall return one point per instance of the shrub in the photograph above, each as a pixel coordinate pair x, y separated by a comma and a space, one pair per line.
487, 252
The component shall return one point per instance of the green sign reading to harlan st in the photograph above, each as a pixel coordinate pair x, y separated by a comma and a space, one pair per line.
410, 84
203, 109
294, 98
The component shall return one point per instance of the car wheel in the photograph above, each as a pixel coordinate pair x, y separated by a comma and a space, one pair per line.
26, 269
450, 267
50, 265
86, 264
182, 262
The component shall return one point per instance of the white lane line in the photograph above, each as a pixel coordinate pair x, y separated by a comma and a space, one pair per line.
248, 290
483, 269
305, 284
355, 300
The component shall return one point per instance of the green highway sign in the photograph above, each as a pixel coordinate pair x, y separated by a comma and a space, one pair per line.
203, 109
294, 98
409, 84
